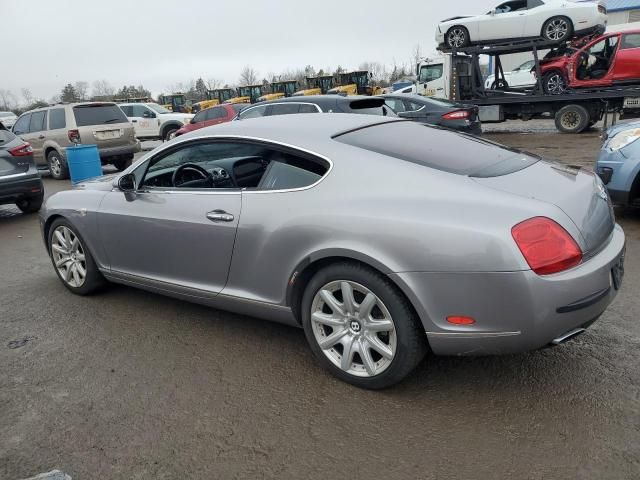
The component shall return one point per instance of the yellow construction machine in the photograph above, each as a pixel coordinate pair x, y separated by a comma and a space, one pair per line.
355, 83
316, 86
281, 89
248, 94
176, 102
214, 97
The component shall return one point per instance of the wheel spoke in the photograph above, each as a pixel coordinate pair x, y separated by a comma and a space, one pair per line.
376, 326
59, 249
367, 306
62, 260
331, 302
61, 240
347, 354
365, 354
329, 320
348, 301
67, 273
331, 340
76, 276
81, 270
74, 245
380, 347
67, 237
80, 257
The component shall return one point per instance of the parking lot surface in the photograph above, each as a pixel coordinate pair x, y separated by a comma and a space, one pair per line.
128, 384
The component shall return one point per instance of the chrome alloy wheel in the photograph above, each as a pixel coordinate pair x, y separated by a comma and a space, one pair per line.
353, 328
55, 165
457, 37
555, 84
68, 256
557, 29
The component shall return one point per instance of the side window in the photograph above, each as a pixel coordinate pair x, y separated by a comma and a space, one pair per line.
22, 125
254, 112
395, 104
216, 113
413, 106
288, 170
632, 40
284, 109
37, 123
139, 110
200, 117
127, 109
512, 6
308, 108
57, 119
534, 3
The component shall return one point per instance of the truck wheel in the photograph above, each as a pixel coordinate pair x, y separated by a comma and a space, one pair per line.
57, 165
554, 83
457, 37
557, 29
572, 119
169, 133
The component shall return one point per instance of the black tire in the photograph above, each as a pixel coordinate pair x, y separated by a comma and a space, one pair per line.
93, 278
552, 35
30, 204
168, 132
500, 85
554, 83
58, 167
572, 119
457, 32
411, 342
123, 163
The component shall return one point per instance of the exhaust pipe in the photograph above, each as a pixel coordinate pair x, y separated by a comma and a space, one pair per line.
567, 336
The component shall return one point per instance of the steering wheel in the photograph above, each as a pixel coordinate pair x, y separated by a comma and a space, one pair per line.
191, 166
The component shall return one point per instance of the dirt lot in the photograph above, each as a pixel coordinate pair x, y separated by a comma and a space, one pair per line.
130, 385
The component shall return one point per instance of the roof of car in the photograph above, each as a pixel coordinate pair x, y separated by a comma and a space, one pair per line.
317, 99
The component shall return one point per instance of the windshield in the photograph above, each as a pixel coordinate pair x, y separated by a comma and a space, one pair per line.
7, 114
157, 108
429, 73
244, 91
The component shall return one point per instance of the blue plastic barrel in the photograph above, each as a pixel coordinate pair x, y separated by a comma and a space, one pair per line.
84, 162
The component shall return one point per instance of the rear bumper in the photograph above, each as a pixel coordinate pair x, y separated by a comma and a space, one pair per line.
119, 151
514, 311
28, 184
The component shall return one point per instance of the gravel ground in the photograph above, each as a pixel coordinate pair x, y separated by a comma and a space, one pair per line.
131, 385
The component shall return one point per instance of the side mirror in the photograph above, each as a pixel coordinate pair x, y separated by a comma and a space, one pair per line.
193, 120
127, 183
148, 114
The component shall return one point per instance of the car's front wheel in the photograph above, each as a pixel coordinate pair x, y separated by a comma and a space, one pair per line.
72, 260
457, 37
360, 327
554, 83
170, 133
557, 29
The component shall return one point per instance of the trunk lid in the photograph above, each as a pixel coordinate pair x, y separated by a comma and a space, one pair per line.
103, 124
577, 192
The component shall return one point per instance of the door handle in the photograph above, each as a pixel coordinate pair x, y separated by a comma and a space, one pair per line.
220, 216
134, 121
41, 137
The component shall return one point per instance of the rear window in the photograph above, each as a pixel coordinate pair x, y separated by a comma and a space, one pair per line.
370, 106
438, 148
98, 114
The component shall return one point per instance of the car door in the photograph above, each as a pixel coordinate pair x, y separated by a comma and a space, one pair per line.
144, 121
21, 127
627, 62
507, 20
594, 65
522, 76
180, 237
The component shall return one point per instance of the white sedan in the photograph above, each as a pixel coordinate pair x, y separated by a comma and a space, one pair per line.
521, 76
8, 119
553, 20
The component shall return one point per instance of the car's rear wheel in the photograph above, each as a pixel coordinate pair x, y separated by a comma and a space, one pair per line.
360, 327
457, 37
557, 29
500, 85
572, 119
57, 165
30, 204
72, 260
554, 83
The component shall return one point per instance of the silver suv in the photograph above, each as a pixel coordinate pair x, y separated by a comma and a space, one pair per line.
50, 130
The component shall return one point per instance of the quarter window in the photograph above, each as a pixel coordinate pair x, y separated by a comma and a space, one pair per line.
284, 109
254, 112
37, 123
22, 125
308, 108
200, 117
57, 118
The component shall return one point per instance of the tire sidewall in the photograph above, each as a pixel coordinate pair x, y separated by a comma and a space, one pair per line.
545, 80
31, 205
401, 313
569, 29
64, 169
584, 118
466, 32
93, 278
168, 131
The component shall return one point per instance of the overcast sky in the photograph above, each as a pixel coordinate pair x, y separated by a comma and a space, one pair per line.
157, 43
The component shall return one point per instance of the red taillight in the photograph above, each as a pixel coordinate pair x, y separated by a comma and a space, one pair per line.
457, 115
460, 320
21, 150
547, 247
74, 136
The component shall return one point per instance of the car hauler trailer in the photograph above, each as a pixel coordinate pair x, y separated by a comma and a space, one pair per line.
573, 111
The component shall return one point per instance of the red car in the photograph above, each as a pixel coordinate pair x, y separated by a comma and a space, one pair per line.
212, 116
610, 59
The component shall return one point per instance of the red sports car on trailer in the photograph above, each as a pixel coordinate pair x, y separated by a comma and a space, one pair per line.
608, 60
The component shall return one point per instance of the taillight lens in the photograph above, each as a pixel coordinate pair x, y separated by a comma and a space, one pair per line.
547, 247
74, 136
21, 150
457, 115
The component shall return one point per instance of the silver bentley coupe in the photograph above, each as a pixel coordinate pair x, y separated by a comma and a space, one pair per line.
384, 239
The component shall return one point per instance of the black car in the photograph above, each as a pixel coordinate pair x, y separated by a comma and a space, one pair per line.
20, 182
319, 104
435, 111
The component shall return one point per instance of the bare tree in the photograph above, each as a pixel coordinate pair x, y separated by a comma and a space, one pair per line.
417, 54
81, 88
213, 83
7, 100
27, 95
248, 76
102, 88
378, 71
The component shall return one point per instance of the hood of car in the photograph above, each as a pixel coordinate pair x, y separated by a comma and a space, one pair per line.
620, 127
182, 117
104, 183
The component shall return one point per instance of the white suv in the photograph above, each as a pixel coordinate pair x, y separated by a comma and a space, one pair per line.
152, 121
